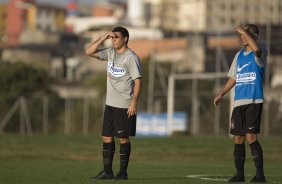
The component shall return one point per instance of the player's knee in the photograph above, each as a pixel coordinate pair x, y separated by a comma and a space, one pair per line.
251, 138
239, 139
123, 140
107, 139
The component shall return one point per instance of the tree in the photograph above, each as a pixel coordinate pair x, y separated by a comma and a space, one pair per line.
19, 80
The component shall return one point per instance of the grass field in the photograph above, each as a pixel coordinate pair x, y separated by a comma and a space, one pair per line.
74, 159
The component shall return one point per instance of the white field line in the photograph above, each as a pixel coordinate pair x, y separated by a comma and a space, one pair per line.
214, 178
207, 177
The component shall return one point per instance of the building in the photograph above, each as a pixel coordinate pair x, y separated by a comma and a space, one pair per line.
17, 19
215, 15
43, 24
27, 16
227, 14
3, 25
214, 21
50, 18
108, 10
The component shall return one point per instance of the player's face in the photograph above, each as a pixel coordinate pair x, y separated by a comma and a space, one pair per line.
243, 39
118, 41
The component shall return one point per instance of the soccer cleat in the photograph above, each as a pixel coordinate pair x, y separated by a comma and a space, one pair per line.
258, 179
236, 178
103, 175
121, 176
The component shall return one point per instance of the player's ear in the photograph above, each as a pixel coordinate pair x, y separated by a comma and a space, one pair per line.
125, 39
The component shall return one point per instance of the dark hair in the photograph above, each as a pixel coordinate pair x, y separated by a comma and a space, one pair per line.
253, 29
123, 31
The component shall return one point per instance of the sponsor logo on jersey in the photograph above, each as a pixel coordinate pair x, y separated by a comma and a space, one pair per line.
246, 77
115, 71
239, 69
123, 59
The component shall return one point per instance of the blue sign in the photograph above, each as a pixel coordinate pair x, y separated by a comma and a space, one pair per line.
157, 125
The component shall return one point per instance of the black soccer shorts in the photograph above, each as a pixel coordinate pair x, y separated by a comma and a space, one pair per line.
246, 119
117, 124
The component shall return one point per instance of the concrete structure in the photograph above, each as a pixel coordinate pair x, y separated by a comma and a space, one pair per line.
182, 15
215, 15
79, 25
161, 49
39, 37
16, 22
50, 18
38, 59
226, 14
105, 9
25, 15
135, 13
214, 21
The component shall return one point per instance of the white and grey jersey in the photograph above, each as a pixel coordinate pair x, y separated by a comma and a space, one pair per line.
122, 70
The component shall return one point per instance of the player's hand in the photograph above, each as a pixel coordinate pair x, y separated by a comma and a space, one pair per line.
110, 35
241, 30
132, 110
217, 100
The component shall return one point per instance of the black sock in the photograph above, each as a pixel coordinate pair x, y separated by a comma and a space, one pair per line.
108, 154
239, 158
125, 150
258, 157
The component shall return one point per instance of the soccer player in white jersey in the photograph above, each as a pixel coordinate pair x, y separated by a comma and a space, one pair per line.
123, 89
246, 74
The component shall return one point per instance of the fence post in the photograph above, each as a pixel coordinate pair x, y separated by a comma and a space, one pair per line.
85, 115
45, 116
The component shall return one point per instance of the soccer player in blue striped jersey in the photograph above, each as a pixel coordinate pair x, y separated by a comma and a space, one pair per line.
246, 74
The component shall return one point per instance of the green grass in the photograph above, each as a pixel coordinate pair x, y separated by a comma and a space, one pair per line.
74, 159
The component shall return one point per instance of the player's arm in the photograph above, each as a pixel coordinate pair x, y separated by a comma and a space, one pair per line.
251, 40
93, 48
132, 109
229, 84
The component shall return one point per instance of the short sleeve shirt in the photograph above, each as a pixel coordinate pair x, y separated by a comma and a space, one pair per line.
122, 70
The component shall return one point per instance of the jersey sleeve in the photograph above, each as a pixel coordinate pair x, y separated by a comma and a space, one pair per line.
232, 71
262, 60
134, 67
104, 54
